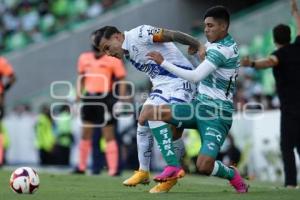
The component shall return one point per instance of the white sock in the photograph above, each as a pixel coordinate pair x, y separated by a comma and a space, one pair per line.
144, 141
215, 170
179, 148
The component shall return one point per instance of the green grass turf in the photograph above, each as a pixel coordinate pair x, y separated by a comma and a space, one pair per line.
73, 187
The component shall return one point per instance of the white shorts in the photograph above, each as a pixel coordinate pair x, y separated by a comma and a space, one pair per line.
178, 92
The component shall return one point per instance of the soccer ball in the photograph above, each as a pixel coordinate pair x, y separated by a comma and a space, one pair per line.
24, 180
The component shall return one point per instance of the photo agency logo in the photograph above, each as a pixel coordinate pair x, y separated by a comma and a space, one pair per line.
94, 109
105, 106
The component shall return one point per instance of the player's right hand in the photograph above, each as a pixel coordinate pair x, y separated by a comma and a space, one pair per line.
155, 56
192, 50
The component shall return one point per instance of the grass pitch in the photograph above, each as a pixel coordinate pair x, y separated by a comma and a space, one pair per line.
102, 187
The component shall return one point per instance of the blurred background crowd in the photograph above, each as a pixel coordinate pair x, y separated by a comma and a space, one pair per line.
26, 21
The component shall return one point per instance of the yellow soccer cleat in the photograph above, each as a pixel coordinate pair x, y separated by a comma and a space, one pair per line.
163, 187
139, 177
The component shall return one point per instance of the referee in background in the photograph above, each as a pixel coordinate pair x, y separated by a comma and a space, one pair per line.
97, 74
285, 62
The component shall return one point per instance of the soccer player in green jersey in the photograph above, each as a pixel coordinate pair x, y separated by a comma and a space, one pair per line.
211, 111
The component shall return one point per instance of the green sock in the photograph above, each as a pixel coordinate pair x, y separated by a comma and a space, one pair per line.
163, 136
222, 171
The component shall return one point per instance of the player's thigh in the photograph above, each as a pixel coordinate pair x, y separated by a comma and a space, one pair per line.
183, 92
154, 107
183, 115
213, 126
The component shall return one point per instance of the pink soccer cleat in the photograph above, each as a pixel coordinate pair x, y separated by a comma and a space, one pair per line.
238, 183
170, 173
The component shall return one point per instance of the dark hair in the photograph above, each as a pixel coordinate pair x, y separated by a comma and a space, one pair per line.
95, 49
282, 34
218, 12
106, 32
97, 53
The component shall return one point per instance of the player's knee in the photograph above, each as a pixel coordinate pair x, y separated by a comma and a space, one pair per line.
204, 167
145, 114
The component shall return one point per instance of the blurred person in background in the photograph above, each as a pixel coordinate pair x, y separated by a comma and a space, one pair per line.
98, 152
285, 62
97, 74
45, 138
64, 136
7, 79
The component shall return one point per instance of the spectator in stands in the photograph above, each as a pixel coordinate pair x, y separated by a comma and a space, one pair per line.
285, 62
23, 22
6, 73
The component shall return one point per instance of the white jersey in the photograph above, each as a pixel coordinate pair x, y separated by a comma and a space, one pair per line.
139, 41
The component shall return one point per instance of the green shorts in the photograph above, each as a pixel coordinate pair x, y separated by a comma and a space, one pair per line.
212, 123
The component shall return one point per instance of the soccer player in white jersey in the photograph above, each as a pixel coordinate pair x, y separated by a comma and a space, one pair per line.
167, 89
211, 111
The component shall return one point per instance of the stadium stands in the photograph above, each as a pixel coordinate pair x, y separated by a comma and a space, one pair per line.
26, 21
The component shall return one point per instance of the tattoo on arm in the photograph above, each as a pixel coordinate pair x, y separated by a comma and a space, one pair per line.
180, 37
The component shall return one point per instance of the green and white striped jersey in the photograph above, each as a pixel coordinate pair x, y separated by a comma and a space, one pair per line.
217, 88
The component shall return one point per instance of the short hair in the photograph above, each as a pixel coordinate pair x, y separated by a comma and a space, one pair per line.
106, 32
282, 34
218, 12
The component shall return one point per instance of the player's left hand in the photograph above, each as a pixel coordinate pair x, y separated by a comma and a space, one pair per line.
156, 57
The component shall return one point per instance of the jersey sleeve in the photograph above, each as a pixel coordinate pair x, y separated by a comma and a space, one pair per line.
216, 55
149, 34
5, 67
119, 68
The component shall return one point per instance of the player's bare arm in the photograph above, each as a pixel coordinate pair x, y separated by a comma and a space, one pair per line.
165, 35
295, 13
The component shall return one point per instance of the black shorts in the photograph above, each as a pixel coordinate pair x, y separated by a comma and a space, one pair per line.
1, 112
101, 112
